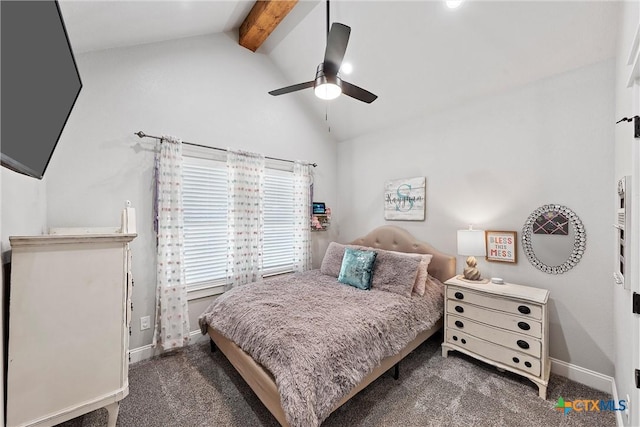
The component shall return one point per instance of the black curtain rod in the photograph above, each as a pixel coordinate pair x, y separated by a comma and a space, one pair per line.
144, 135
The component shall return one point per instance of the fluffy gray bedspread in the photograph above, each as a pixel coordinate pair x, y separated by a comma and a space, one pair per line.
318, 337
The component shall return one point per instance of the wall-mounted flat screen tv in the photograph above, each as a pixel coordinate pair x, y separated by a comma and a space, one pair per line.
40, 84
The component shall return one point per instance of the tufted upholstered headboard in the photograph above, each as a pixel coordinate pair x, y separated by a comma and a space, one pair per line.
392, 238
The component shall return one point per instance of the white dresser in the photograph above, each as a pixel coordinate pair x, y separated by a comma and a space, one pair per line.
503, 325
69, 311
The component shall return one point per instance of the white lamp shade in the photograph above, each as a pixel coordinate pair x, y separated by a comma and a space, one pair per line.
471, 243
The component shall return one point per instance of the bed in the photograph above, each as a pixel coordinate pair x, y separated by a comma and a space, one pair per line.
306, 343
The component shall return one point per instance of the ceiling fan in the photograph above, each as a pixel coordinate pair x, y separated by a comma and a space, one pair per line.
328, 84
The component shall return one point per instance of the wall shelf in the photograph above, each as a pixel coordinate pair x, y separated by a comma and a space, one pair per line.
320, 222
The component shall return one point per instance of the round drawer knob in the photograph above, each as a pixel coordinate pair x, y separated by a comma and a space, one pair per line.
524, 326
522, 344
463, 341
524, 309
459, 295
527, 364
455, 338
459, 309
516, 360
459, 324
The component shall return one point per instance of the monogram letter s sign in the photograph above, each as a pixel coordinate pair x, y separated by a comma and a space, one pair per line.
404, 199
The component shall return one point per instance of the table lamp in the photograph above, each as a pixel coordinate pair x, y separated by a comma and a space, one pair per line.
471, 243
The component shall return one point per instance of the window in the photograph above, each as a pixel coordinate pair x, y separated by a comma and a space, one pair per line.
204, 196
277, 255
205, 224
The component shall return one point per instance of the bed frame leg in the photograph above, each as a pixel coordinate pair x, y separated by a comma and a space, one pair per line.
212, 345
396, 371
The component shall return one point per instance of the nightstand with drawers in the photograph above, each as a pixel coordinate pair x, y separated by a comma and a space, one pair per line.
503, 325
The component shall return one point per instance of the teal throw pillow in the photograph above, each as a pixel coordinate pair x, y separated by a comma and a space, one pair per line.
357, 268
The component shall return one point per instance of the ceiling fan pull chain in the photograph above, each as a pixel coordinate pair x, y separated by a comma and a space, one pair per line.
326, 117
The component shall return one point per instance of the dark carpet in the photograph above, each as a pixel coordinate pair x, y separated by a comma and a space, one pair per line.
194, 387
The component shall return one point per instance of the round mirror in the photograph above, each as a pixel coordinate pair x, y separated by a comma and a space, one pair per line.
554, 239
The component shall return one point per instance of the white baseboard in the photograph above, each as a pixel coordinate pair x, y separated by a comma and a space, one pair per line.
582, 375
142, 353
148, 351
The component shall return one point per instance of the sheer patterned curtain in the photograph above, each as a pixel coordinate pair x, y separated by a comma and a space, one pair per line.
172, 320
245, 217
302, 225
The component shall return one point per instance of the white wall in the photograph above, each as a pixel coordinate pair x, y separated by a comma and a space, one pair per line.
206, 90
491, 163
23, 206
626, 323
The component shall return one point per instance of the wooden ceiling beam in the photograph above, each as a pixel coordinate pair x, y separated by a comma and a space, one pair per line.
264, 17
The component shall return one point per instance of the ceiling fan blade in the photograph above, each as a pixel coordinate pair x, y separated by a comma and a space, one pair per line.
358, 93
292, 88
336, 48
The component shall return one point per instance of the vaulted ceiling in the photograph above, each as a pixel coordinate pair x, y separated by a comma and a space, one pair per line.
419, 57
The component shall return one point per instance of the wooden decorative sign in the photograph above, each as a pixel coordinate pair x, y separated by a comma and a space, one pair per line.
501, 246
405, 199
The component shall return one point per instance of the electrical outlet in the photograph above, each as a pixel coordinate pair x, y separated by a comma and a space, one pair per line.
145, 323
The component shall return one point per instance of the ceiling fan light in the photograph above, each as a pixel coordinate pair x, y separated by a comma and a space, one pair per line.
327, 87
346, 68
327, 91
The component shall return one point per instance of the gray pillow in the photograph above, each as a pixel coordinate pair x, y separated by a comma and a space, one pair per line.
332, 260
393, 272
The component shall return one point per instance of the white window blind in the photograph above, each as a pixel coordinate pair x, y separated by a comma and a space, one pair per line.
278, 222
205, 222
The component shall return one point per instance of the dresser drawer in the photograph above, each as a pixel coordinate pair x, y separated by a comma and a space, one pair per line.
494, 352
502, 320
512, 340
497, 303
